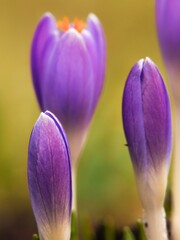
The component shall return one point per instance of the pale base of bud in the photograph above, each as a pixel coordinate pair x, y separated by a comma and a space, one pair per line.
176, 180
155, 224
76, 139
55, 231
175, 227
152, 187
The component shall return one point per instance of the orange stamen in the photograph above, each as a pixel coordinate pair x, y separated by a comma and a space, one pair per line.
79, 25
63, 24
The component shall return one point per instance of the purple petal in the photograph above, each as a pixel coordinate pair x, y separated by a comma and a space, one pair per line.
49, 177
95, 27
93, 56
44, 65
70, 94
133, 116
147, 117
45, 28
168, 25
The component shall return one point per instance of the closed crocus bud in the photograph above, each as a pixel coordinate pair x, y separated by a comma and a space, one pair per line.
168, 27
68, 68
49, 178
147, 126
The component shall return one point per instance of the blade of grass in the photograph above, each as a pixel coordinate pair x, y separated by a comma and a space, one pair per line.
141, 232
127, 234
74, 227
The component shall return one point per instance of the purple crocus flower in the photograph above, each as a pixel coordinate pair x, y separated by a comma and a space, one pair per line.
68, 68
49, 178
168, 28
147, 117
147, 126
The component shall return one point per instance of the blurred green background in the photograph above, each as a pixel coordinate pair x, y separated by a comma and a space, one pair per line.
106, 183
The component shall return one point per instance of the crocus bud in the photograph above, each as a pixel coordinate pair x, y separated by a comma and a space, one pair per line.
49, 178
168, 28
147, 126
68, 68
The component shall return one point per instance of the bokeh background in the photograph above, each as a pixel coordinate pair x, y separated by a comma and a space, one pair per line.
106, 183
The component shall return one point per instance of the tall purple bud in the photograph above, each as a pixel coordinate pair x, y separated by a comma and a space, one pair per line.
147, 126
68, 69
49, 178
168, 28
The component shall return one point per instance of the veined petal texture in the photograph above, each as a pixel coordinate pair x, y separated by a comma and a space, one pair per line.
45, 28
95, 28
72, 85
147, 118
68, 68
49, 178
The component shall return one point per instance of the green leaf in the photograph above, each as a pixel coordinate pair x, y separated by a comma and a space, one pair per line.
168, 202
141, 232
127, 234
74, 227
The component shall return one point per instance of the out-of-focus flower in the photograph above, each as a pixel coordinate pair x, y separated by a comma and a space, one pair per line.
49, 178
68, 69
147, 125
168, 28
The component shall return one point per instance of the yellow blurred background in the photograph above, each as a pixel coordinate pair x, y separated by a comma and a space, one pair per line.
106, 183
